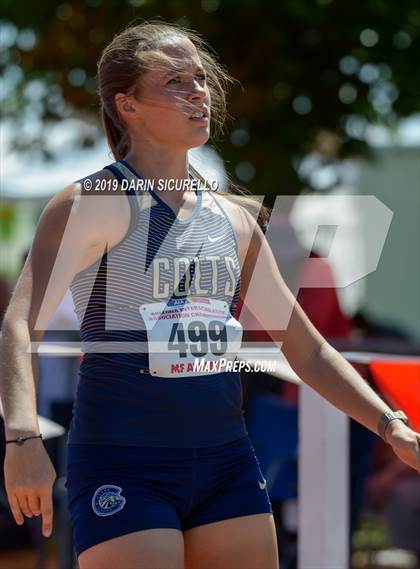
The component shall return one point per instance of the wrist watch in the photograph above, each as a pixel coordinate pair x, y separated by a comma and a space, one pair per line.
387, 418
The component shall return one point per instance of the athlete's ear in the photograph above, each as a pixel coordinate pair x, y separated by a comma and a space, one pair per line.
125, 104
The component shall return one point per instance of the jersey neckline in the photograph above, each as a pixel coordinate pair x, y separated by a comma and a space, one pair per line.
197, 190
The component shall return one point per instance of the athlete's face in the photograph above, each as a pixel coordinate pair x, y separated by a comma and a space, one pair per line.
168, 96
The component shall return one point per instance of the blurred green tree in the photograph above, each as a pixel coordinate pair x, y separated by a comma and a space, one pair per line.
314, 73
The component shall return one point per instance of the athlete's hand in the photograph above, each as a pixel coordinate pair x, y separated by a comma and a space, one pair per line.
405, 443
29, 479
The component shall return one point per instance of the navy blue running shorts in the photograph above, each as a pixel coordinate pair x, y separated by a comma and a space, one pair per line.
113, 490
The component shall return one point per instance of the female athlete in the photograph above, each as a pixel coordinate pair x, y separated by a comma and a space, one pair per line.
161, 472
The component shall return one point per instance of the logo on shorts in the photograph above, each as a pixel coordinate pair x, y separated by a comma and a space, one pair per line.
107, 500
262, 485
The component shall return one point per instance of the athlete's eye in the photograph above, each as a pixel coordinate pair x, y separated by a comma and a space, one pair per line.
176, 79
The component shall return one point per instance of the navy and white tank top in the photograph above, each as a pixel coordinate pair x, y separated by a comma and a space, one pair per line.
147, 308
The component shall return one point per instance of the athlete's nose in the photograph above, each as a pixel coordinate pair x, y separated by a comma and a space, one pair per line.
198, 92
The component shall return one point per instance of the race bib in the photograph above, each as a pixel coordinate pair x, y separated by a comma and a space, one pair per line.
183, 333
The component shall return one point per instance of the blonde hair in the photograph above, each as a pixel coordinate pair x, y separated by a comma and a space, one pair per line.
138, 48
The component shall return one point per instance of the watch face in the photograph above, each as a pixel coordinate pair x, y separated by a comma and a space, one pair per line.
389, 416
400, 415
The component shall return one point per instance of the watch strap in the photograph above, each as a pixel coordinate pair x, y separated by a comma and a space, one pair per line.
387, 417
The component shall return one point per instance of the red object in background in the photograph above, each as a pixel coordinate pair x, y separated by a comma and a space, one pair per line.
399, 381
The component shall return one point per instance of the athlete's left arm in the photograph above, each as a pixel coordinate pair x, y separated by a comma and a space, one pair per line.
314, 360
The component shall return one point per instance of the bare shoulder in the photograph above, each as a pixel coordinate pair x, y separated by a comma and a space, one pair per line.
90, 220
69, 235
242, 210
77, 199
65, 198
242, 213
92, 187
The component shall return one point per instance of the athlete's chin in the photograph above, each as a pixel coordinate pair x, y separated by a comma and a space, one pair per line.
191, 137
198, 139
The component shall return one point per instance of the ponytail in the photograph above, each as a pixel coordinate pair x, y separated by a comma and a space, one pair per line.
117, 139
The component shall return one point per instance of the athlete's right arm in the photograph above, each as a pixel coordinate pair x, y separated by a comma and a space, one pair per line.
69, 226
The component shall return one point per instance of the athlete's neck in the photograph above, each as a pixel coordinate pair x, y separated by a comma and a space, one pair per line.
159, 163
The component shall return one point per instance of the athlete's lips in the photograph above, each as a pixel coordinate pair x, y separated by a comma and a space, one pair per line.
201, 114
